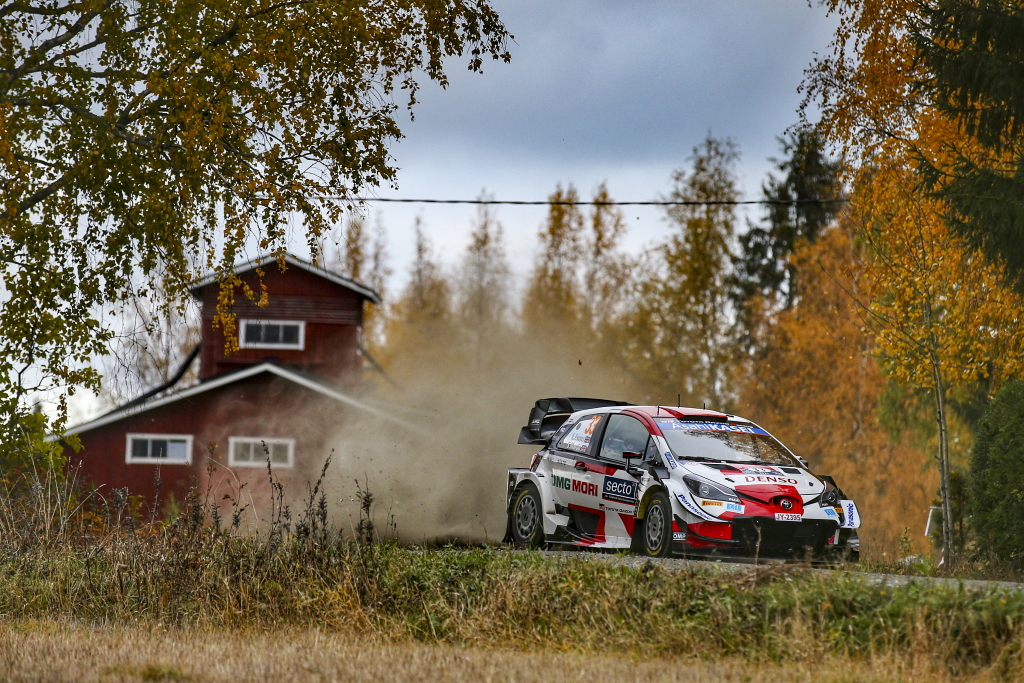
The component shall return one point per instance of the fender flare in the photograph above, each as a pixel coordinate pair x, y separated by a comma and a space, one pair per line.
641, 508
516, 478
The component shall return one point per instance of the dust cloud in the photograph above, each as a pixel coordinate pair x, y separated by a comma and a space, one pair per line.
446, 480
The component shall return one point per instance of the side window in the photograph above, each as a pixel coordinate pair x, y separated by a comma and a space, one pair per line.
624, 433
582, 433
254, 451
157, 449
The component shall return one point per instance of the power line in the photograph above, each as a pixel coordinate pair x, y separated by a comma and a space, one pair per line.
764, 202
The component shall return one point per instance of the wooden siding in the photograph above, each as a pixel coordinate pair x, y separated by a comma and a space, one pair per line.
333, 315
264, 406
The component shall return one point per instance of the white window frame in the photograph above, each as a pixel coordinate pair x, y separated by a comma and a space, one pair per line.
257, 441
187, 438
242, 344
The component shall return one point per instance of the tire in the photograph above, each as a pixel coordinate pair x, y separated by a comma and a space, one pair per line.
526, 517
656, 527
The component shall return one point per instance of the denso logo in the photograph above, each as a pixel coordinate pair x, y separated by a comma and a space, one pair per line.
586, 488
560, 482
619, 489
770, 480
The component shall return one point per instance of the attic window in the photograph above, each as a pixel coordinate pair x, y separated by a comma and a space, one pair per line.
272, 334
159, 449
249, 451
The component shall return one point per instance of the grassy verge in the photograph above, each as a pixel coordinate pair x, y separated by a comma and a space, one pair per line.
523, 600
196, 576
47, 651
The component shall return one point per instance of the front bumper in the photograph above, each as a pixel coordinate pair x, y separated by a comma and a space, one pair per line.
751, 535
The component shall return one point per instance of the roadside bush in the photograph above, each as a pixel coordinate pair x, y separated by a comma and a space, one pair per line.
997, 478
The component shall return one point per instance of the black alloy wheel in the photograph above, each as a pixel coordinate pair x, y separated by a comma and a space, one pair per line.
656, 530
527, 520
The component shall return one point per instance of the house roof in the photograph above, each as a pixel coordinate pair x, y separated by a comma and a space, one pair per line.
265, 259
302, 379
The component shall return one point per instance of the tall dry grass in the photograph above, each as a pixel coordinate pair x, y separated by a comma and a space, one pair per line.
198, 572
49, 651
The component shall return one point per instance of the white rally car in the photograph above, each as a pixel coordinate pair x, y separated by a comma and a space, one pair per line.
671, 481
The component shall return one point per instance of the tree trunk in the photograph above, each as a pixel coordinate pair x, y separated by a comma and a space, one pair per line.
940, 416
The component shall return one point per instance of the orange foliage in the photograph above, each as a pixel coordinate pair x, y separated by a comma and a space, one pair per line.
817, 388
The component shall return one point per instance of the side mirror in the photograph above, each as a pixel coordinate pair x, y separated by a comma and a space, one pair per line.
629, 457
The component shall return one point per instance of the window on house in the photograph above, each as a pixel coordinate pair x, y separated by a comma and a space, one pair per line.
252, 451
272, 334
169, 449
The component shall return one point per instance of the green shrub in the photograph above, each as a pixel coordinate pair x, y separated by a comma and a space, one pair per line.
997, 478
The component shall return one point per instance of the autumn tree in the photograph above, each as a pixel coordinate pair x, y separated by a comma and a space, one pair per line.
169, 134
483, 283
553, 303
680, 317
972, 53
941, 316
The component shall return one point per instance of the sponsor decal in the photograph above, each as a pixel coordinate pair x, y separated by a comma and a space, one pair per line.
759, 470
711, 502
578, 438
671, 461
834, 538
734, 507
788, 517
619, 489
764, 479
693, 509
710, 427
584, 487
560, 482
851, 517
678, 535
829, 512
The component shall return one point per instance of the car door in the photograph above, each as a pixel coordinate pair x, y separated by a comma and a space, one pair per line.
620, 482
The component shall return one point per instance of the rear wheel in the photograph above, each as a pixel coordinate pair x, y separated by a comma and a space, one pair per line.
656, 531
527, 522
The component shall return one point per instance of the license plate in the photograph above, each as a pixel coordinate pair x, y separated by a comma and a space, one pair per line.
788, 517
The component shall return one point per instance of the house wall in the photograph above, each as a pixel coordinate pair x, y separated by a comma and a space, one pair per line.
265, 406
333, 315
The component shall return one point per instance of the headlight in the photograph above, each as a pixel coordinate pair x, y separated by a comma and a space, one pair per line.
830, 496
705, 489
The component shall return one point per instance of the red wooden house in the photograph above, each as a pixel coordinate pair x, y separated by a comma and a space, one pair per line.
288, 388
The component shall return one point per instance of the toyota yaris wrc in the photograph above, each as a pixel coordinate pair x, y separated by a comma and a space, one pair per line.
671, 481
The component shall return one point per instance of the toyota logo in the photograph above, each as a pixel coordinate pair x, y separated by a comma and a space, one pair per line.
787, 504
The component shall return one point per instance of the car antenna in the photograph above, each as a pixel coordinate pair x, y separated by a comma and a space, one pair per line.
679, 400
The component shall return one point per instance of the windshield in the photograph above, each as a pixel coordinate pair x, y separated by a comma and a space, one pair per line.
722, 441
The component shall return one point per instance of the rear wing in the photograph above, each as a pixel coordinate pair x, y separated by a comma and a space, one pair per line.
548, 414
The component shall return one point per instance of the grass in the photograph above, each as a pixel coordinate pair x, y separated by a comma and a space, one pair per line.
198, 581
47, 651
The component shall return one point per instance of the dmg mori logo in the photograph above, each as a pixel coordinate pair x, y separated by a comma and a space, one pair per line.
584, 487
560, 482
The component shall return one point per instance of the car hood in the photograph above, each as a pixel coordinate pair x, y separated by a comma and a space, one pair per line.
761, 482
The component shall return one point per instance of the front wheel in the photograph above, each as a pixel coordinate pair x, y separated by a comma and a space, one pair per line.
656, 529
527, 523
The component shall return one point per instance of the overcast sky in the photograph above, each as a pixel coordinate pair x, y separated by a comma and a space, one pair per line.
600, 90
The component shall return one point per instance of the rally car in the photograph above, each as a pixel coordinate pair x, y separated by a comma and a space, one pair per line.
671, 481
